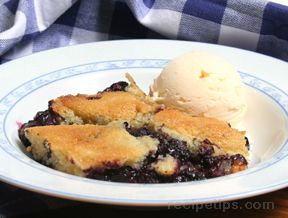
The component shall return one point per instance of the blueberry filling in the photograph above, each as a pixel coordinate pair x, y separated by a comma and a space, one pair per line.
119, 86
115, 87
42, 118
198, 165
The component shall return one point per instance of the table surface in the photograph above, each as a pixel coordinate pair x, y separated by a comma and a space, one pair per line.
30, 204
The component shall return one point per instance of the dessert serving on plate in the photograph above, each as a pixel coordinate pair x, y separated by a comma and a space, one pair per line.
121, 134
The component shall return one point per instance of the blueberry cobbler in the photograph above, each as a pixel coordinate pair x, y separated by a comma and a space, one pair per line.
122, 135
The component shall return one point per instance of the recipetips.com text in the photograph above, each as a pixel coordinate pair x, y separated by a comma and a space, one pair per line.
225, 206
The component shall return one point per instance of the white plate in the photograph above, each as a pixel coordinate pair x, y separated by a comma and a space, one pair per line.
28, 83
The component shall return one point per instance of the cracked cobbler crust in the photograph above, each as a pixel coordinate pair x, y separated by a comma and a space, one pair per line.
110, 106
125, 104
122, 135
76, 148
186, 127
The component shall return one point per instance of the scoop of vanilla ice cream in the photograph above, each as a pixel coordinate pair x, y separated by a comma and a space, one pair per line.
202, 84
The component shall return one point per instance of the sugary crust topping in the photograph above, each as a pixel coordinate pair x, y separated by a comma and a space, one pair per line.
91, 146
110, 106
230, 140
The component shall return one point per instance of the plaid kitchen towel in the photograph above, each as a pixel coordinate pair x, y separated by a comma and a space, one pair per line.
28, 26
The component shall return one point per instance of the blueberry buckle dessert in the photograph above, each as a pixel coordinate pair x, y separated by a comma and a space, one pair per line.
120, 134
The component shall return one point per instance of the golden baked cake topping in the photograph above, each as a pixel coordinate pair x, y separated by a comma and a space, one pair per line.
88, 146
182, 125
111, 106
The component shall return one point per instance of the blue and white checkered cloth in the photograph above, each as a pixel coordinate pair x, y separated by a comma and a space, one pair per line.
28, 26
